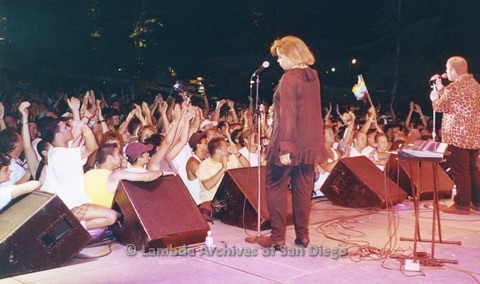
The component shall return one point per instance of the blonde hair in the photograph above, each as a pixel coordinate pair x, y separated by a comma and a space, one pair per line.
294, 49
459, 64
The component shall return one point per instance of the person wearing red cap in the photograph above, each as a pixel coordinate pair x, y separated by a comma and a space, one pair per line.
138, 154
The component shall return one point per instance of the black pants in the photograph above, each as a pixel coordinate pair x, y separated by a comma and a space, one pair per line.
466, 175
277, 179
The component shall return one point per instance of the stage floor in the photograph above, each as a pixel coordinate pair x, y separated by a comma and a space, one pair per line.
371, 239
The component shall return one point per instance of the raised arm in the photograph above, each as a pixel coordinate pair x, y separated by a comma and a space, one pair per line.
156, 102
74, 105
327, 114
162, 109
216, 114
57, 102
181, 139
337, 109
195, 122
100, 117
232, 110
206, 103
2, 114
346, 140
30, 155
394, 115
124, 126
147, 113
418, 110
369, 120
139, 114
154, 162
87, 112
409, 115
90, 141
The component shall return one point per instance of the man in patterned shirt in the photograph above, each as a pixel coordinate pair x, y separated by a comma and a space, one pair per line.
460, 104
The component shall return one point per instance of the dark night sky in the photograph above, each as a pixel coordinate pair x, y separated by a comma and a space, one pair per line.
225, 41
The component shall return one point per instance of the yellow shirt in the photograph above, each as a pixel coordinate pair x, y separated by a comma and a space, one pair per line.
96, 187
208, 168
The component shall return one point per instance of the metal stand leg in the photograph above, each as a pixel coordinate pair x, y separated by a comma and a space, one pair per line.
435, 218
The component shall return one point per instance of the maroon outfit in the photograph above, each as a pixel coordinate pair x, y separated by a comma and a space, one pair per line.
298, 130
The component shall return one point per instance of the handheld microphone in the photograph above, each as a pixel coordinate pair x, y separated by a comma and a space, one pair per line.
433, 80
264, 65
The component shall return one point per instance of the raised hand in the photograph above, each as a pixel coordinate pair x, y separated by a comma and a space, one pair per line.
138, 110
73, 103
23, 109
221, 103
131, 114
2, 110
232, 149
371, 110
145, 108
418, 109
352, 116
99, 109
162, 107
89, 107
225, 162
157, 101
262, 108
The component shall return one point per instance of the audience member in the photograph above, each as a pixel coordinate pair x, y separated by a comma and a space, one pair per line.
12, 191
210, 171
65, 176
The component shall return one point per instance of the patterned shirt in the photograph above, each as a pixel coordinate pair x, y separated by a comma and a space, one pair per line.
460, 104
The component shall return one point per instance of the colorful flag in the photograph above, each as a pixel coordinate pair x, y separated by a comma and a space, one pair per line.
360, 89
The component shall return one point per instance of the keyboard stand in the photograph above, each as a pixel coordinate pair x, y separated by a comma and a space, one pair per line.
436, 212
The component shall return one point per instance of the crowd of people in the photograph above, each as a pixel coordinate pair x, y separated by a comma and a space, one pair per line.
80, 146
154, 137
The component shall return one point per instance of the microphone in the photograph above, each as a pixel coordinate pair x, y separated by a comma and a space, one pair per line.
434, 78
264, 65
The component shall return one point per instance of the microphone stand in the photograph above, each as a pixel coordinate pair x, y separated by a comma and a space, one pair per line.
434, 133
258, 116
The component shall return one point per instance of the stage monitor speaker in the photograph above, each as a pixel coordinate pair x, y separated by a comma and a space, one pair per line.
400, 173
237, 199
38, 232
357, 182
157, 214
